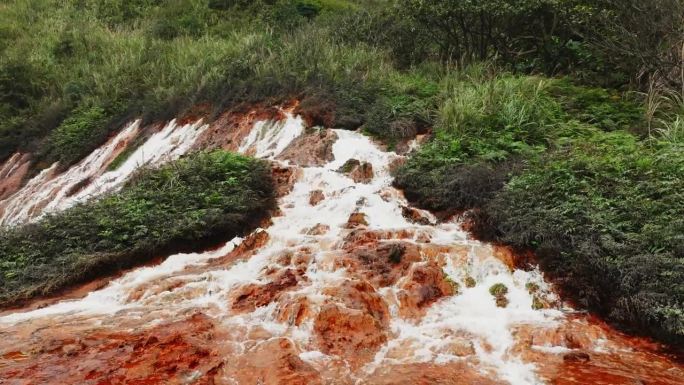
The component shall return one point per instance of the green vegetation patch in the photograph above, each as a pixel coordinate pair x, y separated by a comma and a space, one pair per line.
606, 215
182, 206
567, 171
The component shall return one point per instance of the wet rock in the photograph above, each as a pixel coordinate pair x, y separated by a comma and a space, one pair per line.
312, 149
396, 163
293, 311
355, 220
232, 127
274, 362
423, 237
425, 284
359, 172
284, 178
317, 110
349, 333
387, 194
170, 353
499, 291
315, 197
353, 322
429, 373
414, 216
576, 357
244, 250
319, 229
360, 295
470, 282
382, 264
461, 347
252, 296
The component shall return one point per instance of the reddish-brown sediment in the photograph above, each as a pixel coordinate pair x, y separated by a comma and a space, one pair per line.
388, 275
622, 359
425, 284
272, 362
12, 174
311, 149
172, 353
230, 128
429, 374
252, 296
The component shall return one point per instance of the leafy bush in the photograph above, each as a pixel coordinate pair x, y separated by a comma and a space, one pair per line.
606, 109
609, 41
78, 135
555, 167
606, 216
182, 206
484, 128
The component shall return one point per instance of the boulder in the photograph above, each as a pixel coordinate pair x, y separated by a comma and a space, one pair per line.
311, 149
414, 215
315, 197
425, 284
359, 172
355, 220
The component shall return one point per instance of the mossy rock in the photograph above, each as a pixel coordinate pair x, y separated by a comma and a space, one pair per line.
498, 289
470, 282
537, 303
532, 287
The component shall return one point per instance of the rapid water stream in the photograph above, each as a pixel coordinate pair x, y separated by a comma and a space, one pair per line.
347, 285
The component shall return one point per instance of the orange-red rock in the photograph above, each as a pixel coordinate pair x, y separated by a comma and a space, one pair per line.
356, 219
315, 197
360, 172
380, 263
274, 362
414, 215
284, 178
12, 174
311, 149
171, 353
455, 373
425, 284
349, 333
318, 229
252, 296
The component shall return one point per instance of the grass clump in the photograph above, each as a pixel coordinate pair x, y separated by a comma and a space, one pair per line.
200, 200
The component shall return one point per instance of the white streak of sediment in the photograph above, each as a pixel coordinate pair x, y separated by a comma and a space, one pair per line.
47, 192
47, 189
166, 145
269, 138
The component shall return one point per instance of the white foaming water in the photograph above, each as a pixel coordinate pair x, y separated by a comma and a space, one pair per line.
472, 314
269, 138
47, 192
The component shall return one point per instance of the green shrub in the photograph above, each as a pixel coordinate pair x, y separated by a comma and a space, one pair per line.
79, 134
183, 206
605, 215
606, 109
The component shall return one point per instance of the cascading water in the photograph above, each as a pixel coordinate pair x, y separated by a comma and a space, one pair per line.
49, 191
340, 289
